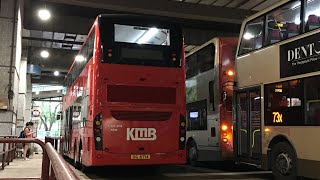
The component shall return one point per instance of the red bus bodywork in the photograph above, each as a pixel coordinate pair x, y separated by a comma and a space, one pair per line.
226, 62
138, 112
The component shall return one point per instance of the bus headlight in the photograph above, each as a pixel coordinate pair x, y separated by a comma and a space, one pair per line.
182, 139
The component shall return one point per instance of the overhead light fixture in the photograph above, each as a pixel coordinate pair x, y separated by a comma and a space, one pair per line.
147, 36
79, 58
56, 73
44, 14
248, 36
44, 54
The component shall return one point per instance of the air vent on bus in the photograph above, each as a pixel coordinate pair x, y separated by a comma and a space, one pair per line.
141, 115
141, 94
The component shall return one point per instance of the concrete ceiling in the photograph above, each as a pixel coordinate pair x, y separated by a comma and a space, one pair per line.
71, 20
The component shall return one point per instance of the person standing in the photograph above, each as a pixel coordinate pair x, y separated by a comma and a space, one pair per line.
28, 134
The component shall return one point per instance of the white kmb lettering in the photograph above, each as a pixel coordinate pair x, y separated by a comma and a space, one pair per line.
141, 134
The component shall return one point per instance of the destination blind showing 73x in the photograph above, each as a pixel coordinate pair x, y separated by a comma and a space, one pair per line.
300, 56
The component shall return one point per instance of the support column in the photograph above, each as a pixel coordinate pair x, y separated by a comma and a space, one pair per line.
10, 53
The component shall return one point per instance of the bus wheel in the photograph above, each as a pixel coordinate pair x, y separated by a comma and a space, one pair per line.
283, 162
192, 153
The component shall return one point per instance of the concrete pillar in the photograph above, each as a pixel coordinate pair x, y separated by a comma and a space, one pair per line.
21, 116
27, 116
10, 57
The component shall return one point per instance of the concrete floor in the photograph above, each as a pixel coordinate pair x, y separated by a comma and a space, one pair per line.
32, 169
20, 168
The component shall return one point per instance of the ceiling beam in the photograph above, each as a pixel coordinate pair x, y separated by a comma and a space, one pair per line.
167, 9
52, 40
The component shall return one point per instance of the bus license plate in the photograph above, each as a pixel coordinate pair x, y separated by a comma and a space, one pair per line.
140, 156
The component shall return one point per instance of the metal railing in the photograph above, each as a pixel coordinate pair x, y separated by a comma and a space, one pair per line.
8, 152
54, 167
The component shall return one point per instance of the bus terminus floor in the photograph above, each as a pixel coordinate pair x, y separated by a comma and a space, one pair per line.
125, 98
277, 102
209, 86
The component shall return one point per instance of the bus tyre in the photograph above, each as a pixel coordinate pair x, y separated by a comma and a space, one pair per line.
192, 153
283, 162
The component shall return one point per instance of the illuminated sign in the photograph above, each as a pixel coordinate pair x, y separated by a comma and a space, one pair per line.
280, 25
300, 56
194, 114
278, 90
277, 117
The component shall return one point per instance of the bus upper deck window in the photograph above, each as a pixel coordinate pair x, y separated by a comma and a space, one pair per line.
312, 15
252, 36
283, 22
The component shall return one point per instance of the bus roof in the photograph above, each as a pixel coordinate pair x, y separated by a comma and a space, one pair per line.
231, 40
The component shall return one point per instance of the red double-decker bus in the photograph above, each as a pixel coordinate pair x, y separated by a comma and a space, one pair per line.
125, 96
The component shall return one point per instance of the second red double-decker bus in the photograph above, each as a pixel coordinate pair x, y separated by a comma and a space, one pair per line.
125, 98
209, 86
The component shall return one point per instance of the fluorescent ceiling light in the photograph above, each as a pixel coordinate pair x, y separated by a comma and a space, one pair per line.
148, 35
56, 73
44, 54
44, 14
79, 58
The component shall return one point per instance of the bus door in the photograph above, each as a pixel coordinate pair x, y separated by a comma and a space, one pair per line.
248, 125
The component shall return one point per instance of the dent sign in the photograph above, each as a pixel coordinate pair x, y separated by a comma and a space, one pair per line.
141, 134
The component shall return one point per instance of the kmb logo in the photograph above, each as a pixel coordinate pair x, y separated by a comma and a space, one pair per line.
141, 134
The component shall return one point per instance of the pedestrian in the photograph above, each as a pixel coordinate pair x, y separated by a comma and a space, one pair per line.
28, 134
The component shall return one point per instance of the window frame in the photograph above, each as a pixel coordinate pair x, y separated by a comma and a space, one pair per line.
302, 27
106, 26
77, 67
197, 106
213, 54
266, 26
303, 107
263, 34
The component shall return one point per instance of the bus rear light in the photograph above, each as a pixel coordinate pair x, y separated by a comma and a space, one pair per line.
109, 50
230, 73
225, 134
98, 123
174, 59
109, 54
225, 140
182, 132
224, 127
99, 156
98, 131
